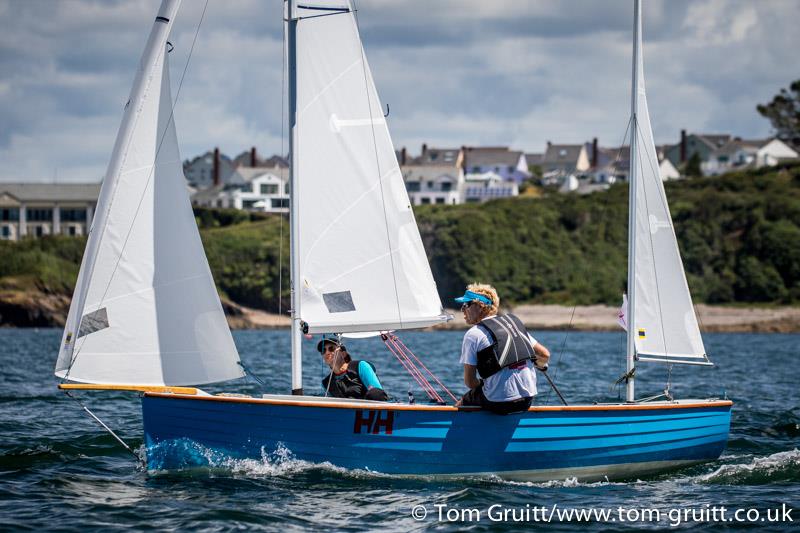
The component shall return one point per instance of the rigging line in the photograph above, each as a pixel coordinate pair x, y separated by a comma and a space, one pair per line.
147, 184
414, 371
652, 247
285, 173
615, 166
561, 353
104, 426
378, 165
409, 352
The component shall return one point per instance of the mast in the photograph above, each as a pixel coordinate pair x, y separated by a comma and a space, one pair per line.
632, 186
294, 205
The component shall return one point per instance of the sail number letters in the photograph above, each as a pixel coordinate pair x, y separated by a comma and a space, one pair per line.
373, 422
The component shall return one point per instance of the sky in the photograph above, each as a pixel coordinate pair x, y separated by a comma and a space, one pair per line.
454, 72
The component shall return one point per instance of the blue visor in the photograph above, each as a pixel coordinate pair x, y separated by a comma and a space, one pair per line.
470, 296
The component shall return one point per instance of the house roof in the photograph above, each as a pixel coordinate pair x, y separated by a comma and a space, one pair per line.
438, 156
534, 159
428, 172
734, 145
209, 156
562, 153
491, 156
52, 192
713, 140
248, 174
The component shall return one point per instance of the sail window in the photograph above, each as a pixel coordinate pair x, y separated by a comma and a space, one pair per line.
338, 302
94, 321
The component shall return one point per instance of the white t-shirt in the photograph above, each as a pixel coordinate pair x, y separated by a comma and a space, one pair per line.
507, 385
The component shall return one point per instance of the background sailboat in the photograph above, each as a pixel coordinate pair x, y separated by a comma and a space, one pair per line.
357, 265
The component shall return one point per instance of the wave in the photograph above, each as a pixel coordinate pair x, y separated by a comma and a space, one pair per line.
778, 467
185, 456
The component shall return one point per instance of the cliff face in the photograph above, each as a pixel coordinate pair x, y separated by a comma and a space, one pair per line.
32, 309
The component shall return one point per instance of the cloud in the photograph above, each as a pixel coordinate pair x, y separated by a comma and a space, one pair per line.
453, 72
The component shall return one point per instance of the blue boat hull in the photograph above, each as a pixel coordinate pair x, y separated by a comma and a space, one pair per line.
588, 442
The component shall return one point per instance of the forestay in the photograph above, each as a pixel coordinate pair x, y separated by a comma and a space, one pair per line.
665, 325
145, 309
361, 259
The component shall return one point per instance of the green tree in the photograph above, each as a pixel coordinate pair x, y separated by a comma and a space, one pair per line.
783, 112
693, 166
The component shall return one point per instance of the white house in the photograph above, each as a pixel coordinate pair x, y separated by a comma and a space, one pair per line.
433, 184
740, 153
488, 186
254, 189
38, 209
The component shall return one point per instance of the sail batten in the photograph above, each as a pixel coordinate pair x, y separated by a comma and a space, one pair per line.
361, 260
145, 308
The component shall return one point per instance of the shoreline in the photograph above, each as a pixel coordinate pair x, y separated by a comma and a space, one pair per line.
712, 319
22, 310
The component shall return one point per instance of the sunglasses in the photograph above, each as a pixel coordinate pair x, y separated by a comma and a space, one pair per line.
466, 305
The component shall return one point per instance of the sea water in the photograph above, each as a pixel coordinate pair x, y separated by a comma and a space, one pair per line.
60, 471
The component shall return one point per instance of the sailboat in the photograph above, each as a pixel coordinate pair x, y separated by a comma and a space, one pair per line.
145, 316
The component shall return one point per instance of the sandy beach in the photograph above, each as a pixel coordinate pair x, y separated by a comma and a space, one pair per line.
583, 318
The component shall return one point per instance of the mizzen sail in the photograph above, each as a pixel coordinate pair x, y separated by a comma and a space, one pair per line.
665, 326
362, 264
145, 309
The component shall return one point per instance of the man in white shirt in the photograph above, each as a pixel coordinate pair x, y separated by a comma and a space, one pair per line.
494, 348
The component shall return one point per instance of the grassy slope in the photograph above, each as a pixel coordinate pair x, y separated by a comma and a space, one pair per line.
739, 236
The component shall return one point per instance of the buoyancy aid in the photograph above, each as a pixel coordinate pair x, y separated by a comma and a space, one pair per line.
348, 384
510, 344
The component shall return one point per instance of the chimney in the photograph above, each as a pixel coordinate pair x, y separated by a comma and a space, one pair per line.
683, 146
464, 158
594, 153
403, 156
549, 144
215, 171
253, 158
424, 149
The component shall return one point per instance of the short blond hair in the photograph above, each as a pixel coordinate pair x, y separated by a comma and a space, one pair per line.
488, 291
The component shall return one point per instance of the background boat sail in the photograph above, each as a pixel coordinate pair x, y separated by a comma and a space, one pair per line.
348, 195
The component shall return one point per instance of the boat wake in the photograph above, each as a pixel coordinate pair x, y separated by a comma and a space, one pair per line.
187, 455
778, 467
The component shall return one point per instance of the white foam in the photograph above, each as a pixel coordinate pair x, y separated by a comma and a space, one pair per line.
761, 466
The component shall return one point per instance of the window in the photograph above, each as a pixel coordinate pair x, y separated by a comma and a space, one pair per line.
286, 188
510, 169
72, 230
249, 204
5, 232
73, 215
440, 200
40, 215
446, 186
38, 230
280, 203
476, 170
9, 214
412, 186
430, 185
424, 200
269, 188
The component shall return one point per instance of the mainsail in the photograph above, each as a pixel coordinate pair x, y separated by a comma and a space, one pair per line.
664, 323
145, 309
362, 264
